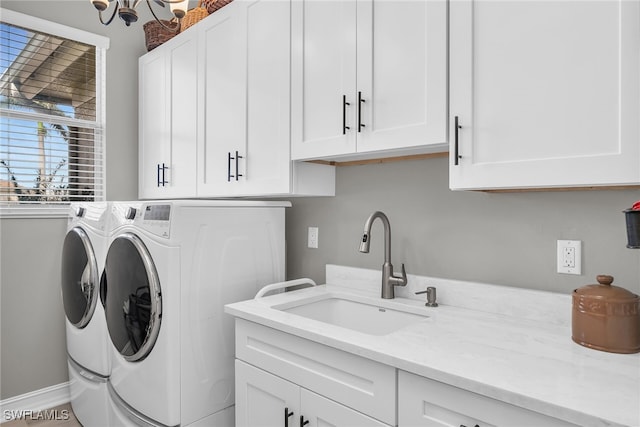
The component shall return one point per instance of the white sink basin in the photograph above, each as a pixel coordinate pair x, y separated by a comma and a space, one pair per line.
361, 317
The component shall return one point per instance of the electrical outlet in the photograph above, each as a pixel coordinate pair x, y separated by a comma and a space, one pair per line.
569, 256
312, 238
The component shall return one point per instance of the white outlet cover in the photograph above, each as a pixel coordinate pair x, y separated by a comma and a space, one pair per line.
565, 267
312, 238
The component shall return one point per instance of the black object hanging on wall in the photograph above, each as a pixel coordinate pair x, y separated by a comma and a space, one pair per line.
633, 228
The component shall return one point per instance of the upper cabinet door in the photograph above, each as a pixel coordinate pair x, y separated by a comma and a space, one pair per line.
221, 111
246, 124
402, 74
154, 112
323, 79
181, 175
546, 94
168, 119
368, 76
266, 34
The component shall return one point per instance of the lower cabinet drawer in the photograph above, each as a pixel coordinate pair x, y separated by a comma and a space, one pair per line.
429, 403
356, 382
264, 399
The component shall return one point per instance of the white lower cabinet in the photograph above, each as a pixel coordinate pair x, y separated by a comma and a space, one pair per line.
285, 380
429, 403
263, 399
316, 377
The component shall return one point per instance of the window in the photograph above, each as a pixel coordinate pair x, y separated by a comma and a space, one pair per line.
51, 115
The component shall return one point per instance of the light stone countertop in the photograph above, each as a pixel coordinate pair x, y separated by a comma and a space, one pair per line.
510, 344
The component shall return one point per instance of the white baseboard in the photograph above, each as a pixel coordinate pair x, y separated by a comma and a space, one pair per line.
38, 400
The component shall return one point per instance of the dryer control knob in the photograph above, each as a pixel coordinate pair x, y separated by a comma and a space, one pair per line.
80, 211
131, 213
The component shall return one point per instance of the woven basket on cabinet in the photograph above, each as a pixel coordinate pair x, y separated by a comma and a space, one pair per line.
213, 5
193, 16
155, 34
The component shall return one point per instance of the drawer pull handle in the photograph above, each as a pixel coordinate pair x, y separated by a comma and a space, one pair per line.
303, 422
287, 414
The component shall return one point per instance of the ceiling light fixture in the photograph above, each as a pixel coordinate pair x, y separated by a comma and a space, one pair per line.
127, 10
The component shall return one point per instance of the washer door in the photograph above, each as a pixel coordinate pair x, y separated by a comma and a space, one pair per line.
132, 297
79, 278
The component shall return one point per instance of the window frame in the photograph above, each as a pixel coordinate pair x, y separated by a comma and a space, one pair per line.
50, 210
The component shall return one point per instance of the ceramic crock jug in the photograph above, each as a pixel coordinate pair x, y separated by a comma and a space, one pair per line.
606, 317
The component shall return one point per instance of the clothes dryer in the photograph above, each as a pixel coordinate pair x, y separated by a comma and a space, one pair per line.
83, 256
170, 268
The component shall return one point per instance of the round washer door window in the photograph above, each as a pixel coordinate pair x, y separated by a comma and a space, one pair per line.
132, 297
79, 278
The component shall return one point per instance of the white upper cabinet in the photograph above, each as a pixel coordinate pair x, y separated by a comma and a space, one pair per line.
266, 31
402, 74
323, 78
153, 112
246, 102
221, 105
246, 78
369, 78
167, 146
546, 94
218, 101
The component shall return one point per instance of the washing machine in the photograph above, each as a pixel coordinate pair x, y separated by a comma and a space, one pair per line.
170, 268
83, 255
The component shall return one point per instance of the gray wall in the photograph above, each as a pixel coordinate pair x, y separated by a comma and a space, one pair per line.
32, 341
501, 238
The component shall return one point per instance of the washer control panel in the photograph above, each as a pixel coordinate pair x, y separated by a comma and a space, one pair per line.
156, 219
157, 212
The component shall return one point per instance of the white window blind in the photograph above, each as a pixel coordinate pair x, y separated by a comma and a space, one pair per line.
51, 118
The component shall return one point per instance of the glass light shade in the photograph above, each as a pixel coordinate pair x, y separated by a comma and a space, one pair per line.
179, 9
100, 4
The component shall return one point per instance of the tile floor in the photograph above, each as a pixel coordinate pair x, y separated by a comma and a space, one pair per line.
60, 416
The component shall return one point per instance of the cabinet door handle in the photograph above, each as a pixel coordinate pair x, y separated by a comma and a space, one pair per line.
238, 157
287, 414
344, 114
303, 422
360, 102
462, 425
456, 154
161, 181
229, 158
